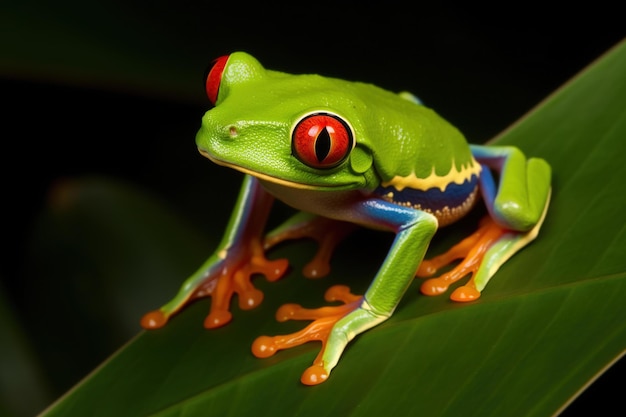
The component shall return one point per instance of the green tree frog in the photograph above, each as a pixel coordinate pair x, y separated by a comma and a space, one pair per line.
348, 154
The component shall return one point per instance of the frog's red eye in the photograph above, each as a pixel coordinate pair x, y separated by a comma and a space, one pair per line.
213, 77
321, 140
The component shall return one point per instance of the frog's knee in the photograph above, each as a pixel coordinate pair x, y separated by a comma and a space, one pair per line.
516, 216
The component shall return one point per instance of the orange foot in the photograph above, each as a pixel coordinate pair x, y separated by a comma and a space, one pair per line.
323, 318
326, 232
232, 275
472, 249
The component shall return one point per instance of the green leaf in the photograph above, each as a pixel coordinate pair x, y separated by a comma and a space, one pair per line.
549, 322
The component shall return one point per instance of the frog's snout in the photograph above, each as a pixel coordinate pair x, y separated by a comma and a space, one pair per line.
212, 140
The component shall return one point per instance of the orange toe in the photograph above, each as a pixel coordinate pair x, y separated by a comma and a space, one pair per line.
263, 347
465, 294
314, 375
434, 286
217, 319
153, 320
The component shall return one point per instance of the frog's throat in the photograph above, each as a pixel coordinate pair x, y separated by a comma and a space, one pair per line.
269, 178
456, 176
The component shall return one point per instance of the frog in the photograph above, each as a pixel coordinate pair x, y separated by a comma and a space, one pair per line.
346, 155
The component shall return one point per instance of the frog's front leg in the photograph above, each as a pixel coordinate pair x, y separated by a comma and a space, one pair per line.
517, 206
336, 326
229, 270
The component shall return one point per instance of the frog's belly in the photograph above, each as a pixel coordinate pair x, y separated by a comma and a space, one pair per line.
338, 205
447, 205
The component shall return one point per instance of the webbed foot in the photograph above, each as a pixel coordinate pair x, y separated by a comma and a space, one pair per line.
326, 232
324, 320
481, 254
231, 273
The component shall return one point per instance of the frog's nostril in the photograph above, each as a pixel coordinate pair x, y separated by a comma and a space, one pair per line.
232, 131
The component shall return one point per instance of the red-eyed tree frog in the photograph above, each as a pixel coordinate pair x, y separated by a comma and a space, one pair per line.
349, 154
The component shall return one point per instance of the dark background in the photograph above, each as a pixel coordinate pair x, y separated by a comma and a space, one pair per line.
115, 89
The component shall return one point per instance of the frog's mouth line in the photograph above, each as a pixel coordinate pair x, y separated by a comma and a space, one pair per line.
263, 176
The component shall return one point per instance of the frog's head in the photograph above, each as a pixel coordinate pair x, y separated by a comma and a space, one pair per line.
297, 130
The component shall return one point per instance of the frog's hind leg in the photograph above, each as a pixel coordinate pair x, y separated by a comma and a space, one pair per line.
328, 233
482, 254
517, 206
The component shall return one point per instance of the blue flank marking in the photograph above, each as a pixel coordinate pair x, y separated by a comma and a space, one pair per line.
433, 199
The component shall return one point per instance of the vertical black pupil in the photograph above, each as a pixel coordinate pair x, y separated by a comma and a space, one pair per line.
322, 145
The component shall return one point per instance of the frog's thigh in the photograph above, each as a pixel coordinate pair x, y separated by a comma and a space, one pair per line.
519, 200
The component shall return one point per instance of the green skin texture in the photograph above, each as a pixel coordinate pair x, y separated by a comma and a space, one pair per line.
250, 128
264, 105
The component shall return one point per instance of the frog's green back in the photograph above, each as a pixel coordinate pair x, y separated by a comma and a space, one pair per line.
405, 137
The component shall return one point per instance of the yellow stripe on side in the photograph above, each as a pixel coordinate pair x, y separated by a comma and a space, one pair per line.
433, 180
